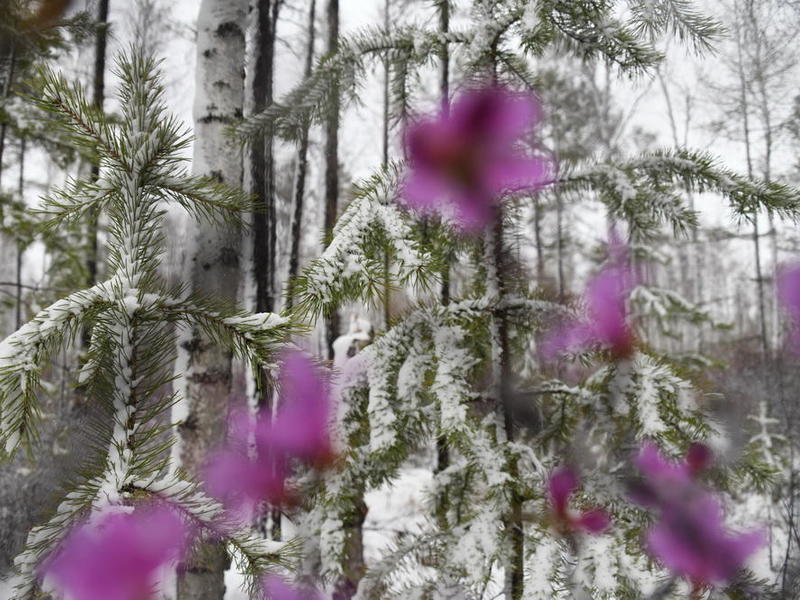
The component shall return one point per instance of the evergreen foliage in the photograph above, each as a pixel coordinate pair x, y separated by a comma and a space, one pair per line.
133, 316
434, 373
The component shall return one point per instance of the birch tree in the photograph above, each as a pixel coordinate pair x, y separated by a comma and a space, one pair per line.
212, 261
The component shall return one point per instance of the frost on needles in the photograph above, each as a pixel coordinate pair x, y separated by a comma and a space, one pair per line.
133, 316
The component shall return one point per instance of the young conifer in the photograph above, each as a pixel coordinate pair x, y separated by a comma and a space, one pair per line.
133, 316
446, 369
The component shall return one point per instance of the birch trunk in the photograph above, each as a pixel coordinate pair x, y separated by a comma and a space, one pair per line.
211, 262
302, 164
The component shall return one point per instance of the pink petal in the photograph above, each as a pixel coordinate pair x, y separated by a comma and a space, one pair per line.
698, 457
473, 212
425, 189
117, 558
277, 589
652, 464
494, 113
789, 296
301, 426
562, 484
514, 173
594, 521
572, 337
605, 296
242, 483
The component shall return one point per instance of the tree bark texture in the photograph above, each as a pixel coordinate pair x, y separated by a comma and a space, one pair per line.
302, 163
262, 161
212, 261
332, 162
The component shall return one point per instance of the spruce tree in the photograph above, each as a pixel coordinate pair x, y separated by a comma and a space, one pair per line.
134, 317
464, 370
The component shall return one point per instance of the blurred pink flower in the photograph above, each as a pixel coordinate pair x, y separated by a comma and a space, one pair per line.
562, 484
789, 295
243, 477
689, 537
117, 558
301, 427
242, 482
277, 589
606, 322
463, 161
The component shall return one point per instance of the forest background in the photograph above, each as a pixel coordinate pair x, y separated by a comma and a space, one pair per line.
713, 305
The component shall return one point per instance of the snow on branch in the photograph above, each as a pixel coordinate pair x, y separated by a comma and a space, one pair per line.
25, 353
644, 190
352, 266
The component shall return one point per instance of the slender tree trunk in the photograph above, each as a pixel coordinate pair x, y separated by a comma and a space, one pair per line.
502, 377
212, 262
537, 234
98, 100
9, 81
302, 165
442, 448
560, 241
332, 161
20, 242
264, 14
386, 78
262, 168
748, 154
354, 566
386, 100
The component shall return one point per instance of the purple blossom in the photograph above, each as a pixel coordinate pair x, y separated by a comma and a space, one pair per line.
606, 322
789, 295
301, 427
117, 558
277, 589
243, 481
562, 484
463, 161
243, 477
689, 537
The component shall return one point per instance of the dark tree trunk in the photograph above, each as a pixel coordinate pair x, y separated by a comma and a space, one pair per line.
537, 234
442, 448
20, 242
302, 166
332, 161
98, 99
7, 83
513, 520
262, 177
387, 286
262, 165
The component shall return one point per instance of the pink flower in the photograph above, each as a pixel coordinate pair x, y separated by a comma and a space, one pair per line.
301, 427
689, 537
243, 477
464, 161
606, 323
243, 482
277, 589
118, 557
789, 295
562, 484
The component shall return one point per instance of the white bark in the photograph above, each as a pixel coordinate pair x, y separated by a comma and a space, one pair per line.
212, 259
